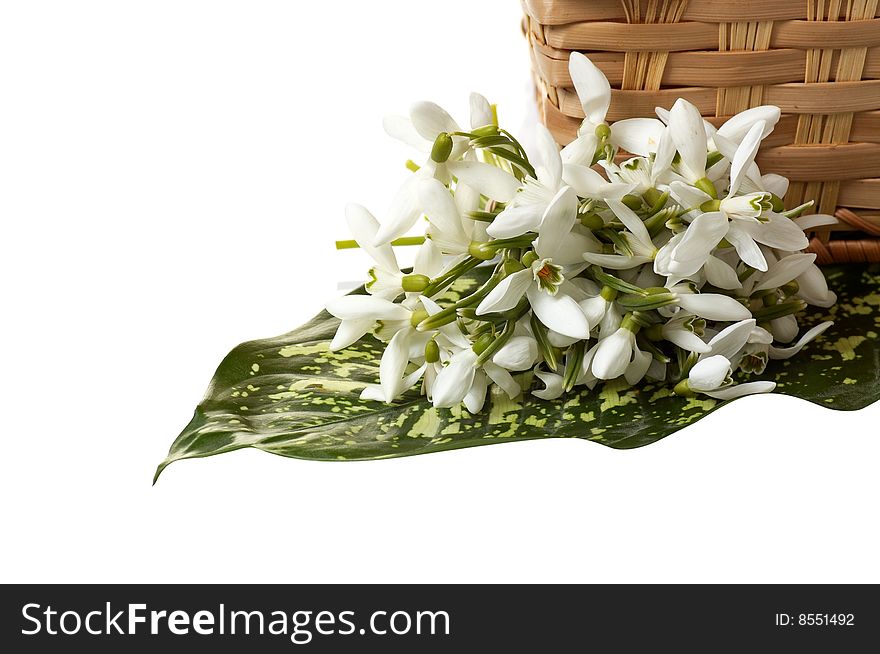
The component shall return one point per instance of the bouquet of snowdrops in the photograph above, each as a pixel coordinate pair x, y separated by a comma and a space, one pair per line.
679, 264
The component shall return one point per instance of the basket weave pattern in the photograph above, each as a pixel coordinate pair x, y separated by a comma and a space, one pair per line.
818, 60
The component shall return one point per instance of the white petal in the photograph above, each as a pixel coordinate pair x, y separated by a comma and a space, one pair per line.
730, 340
556, 223
519, 353
689, 197
350, 331
373, 392
357, 307
401, 128
736, 127
402, 214
615, 261
570, 252
638, 368
516, 220
559, 312
613, 354
481, 111
503, 379
412, 378
709, 373
665, 155
778, 232
639, 136
813, 220
631, 221
592, 87
552, 385
438, 204
489, 180
685, 339
475, 398
689, 136
788, 352
393, 363
429, 261
594, 309
776, 184
746, 247
785, 270
745, 156
814, 288
507, 294
720, 274
580, 151
548, 153
739, 390
363, 227
454, 381
701, 237
784, 329
590, 184
713, 306
430, 119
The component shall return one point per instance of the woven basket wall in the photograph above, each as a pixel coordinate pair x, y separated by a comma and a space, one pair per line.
818, 60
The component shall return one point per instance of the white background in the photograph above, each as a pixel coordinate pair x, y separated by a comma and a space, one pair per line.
173, 176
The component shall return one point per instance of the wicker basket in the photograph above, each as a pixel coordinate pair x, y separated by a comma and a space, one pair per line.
654, 51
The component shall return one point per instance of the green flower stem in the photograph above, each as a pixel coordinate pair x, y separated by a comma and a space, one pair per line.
574, 358
648, 300
618, 241
780, 310
539, 331
797, 211
657, 200
450, 276
402, 241
613, 282
645, 343
497, 343
482, 216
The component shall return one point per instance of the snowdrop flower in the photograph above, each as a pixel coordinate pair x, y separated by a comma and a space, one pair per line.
523, 214
639, 247
519, 353
685, 329
463, 382
712, 376
359, 314
431, 127
619, 355
386, 278
542, 281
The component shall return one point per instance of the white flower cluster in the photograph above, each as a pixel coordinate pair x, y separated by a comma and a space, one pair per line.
679, 264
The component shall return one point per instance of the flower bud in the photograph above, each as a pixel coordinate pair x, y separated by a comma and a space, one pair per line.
482, 251
592, 221
414, 283
482, 343
442, 148
529, 258
603, 131
417, 316
634, 202
432, 352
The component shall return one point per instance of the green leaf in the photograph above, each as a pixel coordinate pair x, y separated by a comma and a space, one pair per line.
291, 396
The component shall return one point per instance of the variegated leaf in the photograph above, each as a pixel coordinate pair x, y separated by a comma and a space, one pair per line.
291, 396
